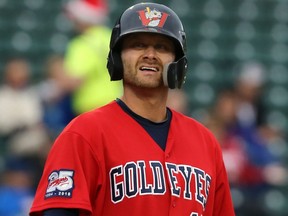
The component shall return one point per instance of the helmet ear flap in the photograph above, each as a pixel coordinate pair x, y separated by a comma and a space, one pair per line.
114, 62
114, 66
174, 74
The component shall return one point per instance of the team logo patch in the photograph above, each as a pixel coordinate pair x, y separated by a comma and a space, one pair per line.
153, 18
60, 184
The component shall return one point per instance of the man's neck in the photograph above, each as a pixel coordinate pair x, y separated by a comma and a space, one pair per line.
148, 104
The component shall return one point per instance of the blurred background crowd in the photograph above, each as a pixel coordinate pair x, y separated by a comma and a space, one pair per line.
53, 62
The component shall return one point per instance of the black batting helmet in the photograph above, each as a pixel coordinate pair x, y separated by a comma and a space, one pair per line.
152, 18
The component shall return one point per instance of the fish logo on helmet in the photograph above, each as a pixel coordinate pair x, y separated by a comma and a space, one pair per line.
152, 18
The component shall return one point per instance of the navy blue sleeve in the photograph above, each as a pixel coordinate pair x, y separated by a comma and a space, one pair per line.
61, 212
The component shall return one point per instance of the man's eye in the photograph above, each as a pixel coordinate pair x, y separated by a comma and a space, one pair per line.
139, 45
163, 47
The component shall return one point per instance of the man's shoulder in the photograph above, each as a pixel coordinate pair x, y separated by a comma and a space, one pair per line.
184, 119
189, 122
100, 112
94, 119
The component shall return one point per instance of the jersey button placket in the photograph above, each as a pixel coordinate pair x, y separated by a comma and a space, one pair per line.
174, 204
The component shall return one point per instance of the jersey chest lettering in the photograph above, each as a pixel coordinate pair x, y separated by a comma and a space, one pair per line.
183, 181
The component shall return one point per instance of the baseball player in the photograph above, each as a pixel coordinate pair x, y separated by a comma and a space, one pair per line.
135, 156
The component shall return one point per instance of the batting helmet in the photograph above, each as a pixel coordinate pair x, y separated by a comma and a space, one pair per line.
152, 18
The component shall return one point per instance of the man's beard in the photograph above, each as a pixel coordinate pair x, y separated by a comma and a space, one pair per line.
132, 78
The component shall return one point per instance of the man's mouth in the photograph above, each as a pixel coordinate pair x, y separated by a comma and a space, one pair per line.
146, 68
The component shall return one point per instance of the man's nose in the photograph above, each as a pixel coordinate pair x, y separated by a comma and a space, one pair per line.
150, 52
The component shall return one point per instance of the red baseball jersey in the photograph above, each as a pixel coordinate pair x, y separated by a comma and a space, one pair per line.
106, 164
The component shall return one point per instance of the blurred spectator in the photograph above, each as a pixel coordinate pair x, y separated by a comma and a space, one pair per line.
20, 110
249, 84
251, 167
86, 56
54, 92
178, 100
16, 187
221, 121
250, 112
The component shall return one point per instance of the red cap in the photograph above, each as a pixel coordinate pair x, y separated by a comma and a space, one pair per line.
89, 11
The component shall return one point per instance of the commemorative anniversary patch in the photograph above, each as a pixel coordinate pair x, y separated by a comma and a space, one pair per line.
60, 184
